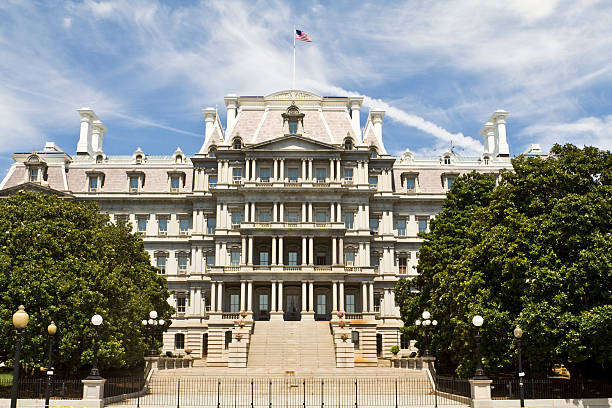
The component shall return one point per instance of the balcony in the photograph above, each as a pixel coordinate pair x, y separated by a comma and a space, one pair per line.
292, 225
314, 269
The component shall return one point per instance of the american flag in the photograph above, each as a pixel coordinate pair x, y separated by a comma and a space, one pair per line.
302, 36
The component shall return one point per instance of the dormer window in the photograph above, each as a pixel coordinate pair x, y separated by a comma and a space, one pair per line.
36, 169
139, 159
176, 180
293, 120
373, 154
179, 159
348, 144
99, 159
212, 152
447, 159
34, 175
135, 181
237, 144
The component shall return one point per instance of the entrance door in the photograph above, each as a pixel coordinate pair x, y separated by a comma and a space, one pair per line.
264, 307
379, 345
321, 310
292, 308
204, 344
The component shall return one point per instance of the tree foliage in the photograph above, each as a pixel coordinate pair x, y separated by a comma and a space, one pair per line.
535, 250
65, 262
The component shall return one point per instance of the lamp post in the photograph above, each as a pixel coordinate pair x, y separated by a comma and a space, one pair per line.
20, 321
477, 321
51, 329
426, 323
94, 374
518, 333
152, 323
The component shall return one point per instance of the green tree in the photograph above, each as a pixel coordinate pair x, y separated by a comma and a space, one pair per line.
65, 262
535, 251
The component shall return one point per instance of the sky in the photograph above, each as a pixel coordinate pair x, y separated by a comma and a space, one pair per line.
439, 69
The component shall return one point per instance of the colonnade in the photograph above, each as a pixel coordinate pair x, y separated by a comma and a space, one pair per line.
279, 170
308, 250
279, 212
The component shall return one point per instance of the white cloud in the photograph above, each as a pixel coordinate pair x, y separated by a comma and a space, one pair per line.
100, 9
591, 131
67, 22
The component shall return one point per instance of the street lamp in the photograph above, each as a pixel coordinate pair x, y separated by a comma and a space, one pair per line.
518, 333
152, 322
94, 374
20, 321
479, 374
426, 323
51, 329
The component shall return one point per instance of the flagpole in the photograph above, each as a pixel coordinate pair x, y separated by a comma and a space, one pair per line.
293, 83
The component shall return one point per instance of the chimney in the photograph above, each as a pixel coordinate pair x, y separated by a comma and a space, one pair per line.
376, 116
210, 116
231, 103
97, 135
488, 133
355, 106
501, 143
84, 144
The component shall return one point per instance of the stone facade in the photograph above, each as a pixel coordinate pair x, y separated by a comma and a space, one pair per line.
291, 211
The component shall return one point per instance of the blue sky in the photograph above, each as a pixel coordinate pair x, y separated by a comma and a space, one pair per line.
147, 68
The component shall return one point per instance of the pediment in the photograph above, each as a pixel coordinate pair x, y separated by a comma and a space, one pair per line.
293, 95
292, 143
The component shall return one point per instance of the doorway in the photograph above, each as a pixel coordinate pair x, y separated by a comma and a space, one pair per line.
379, 345
292, 308
321, 308
205, 345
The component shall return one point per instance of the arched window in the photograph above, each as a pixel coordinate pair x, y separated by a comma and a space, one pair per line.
373, 154
178, 159
348, 144
212, 152
237, 144
139, 159
99, 158
179, 341
447, 159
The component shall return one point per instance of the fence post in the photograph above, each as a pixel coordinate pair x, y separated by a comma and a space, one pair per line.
270, 393
435, 380
178, 393
396, 393
251, 393
218, 392
356, 393
304, 383
322, 403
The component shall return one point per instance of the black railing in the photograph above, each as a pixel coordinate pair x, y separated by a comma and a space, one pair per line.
455, 386
551, 388
123, 386
34, 388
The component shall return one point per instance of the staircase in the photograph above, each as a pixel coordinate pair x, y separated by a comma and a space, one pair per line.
291, 345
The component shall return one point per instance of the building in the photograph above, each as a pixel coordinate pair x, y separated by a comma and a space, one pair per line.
290, 211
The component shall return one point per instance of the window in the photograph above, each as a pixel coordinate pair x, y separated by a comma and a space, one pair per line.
184, 226
348, 144
134, 183
401, 227
417, 255
449, 182
212, 181
179, 341
264, 258
320, 217
212, 225
93, 183
292, 258
447, 160
212, 153
349, 258
404, 341
142, 224
264, 216
228, 338
321, 174
486, 160
410, 183
293, 126
210, 260
349, 303
237, 144
161, 264
139, 159
162, 226
292, 173
422, 224
121, 219
373, 181
237, 175
99, 159
348, 220
321, 306
348, 175
374, 224
234, 303
181, 301
178, 159
236, 218
263, 303
33, 175
374, 259
182, 263
264, 174
292, 217
175, 182
235, 259
402, 265
355, 339
373, 154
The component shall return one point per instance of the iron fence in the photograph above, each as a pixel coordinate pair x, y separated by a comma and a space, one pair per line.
34, 388
287, 392
455, 386
551, 388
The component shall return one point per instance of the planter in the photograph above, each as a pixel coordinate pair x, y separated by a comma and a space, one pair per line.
243, 314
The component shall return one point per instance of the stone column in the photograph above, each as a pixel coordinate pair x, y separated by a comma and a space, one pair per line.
364, 297
303, 250
213, 296
334, 296
250, 296
273, 296
274, 174
333, 260
339, 212
275, 212
303, 296
303, 178
331, 170
254, 172
253, 214
247, 169
280, 296
311, 251
220, 297
338, 175
281, 213
219, 172
243, 256
341, 296
281, 258
273, 250
310, 175
247, 214
242, 293
311, 296
341, 251
371, 296
304, 219
251, 255
332, 212
310, 219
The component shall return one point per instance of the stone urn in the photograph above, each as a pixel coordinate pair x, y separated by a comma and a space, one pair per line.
188, 351
238, 336
342, 324
243, 314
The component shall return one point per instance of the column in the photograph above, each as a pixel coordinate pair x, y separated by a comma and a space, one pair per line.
253, 212
251, 254
273, 250
273, 296
274, 174
311, 296
333, 260
332, 212
254, 172
341, 296
311, 251
281, 213
338, 176
217, 250
310, 219
243, 257
303, 250
371, 296
304, 213
310, 170
364, 297
280, 296
247, 207
281, 257
242, 293
275, 212
247, 169
220, 297
282, 169
303, 296
334, 296
331, 170
219, 172
213, 296
339, 212
341, 251
303, 178
250, 296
